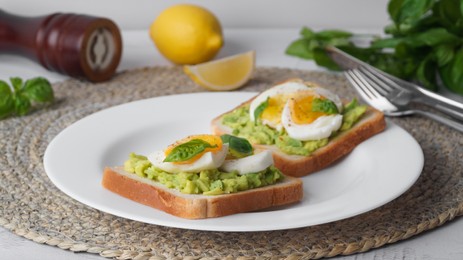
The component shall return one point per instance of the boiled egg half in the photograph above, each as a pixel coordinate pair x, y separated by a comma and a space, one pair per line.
290, 106
210, 158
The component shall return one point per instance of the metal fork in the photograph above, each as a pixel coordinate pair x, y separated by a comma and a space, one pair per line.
370, 95
401, 91
399, 95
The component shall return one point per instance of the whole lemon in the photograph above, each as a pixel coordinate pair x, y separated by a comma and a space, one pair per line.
187, 34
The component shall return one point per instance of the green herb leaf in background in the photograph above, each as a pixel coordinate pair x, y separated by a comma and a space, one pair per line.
424, 42
39, 90
20, 98
444, 54
312, 45
451, 74
17, 83
22, 105
6, 100
187, 150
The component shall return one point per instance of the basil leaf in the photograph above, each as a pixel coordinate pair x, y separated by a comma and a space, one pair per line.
188, 150
432, 37
448, 13
386, 43
409, 11
226, 138
425, 35
306, 33
330, 34
238, 147
426, 73
324, 105
322, 59
393, 8
260, 109
6, 100
39, 90
300, 48
451, 73
17, 83
444, 54
22, 105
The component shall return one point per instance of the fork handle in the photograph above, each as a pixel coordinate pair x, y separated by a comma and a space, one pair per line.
446, 108
446, 121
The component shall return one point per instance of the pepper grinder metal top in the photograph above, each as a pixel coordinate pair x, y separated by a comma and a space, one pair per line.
80, 46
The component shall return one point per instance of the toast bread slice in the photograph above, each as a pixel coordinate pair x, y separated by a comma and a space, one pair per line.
371, 123
192, 206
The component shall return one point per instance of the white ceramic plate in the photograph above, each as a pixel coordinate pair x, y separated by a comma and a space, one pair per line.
376, 172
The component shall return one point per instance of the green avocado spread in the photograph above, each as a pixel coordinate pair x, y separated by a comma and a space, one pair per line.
207, 182
238, 120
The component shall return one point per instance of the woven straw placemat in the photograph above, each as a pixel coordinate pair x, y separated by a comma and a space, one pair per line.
32, 207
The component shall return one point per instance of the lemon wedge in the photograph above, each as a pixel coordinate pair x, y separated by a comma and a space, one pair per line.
224, 74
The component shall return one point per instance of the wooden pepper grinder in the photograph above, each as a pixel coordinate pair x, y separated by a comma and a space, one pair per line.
80, 46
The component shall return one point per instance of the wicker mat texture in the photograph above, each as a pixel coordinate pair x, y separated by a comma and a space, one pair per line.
32, 207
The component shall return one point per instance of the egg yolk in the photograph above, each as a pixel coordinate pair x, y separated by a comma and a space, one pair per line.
301, 109
213, 140
275, 107
300, 105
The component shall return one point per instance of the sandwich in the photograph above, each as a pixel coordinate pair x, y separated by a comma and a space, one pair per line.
204, 176
305, 126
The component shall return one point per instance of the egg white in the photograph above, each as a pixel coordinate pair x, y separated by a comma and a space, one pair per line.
250, 164
208, 161
321, 128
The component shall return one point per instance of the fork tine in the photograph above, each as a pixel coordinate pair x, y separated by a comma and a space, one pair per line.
358, 85
375, 82
381, 80
367, 92
366, 84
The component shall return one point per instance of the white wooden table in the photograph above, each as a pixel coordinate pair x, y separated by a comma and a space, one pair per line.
442, 243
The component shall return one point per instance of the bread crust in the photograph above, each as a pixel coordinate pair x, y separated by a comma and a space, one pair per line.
190, 206
371, 123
